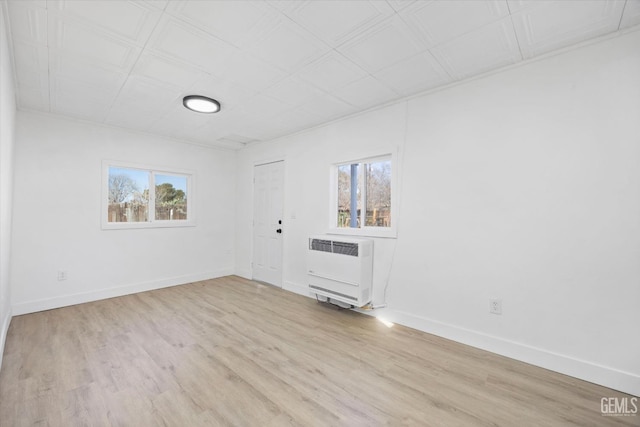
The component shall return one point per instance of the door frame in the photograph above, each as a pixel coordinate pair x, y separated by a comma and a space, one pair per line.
262, 162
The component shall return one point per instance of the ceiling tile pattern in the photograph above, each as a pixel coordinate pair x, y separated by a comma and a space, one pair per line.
631, 14
332, 71
231, 21
543, 26
347, 18
492, 46
441, 21
384, 45
277, 67
415, 74
134, 24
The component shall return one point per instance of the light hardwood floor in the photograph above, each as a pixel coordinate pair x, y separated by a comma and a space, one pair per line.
234, 352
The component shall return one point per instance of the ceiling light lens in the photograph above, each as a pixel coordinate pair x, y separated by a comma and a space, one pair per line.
201, 104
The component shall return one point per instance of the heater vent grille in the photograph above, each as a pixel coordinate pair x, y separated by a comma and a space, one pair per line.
342, 248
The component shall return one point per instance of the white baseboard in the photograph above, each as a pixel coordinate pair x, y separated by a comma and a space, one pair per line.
3, 333
603, 375
298, 289
244, 273
79, 298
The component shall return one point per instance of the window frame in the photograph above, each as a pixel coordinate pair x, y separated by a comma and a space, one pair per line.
364, 230
152, 222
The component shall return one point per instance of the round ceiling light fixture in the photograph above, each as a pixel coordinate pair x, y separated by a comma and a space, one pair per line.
201, 104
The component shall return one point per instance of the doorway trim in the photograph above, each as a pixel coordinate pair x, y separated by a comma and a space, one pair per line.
262, 162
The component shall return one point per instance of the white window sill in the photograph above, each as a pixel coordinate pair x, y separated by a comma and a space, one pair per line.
386, 233
139, 225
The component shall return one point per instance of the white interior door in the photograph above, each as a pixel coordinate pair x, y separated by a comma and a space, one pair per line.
267, 222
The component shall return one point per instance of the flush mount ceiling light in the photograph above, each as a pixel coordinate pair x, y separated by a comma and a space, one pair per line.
201, 104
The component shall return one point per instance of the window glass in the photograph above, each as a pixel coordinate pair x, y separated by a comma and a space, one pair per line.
348, 175
364, 183
378, 179
128, 195
171, 197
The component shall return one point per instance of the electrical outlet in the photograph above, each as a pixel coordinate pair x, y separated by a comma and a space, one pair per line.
62, 275
495, 306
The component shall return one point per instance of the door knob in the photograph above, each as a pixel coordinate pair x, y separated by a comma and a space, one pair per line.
279, 230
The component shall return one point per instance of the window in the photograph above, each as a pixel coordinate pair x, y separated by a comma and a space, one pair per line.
363, 192
139, 197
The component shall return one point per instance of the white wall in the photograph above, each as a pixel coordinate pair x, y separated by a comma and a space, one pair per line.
7, 119
521, 185
57, 212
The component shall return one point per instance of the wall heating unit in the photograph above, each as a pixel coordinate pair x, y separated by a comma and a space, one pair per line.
341, 268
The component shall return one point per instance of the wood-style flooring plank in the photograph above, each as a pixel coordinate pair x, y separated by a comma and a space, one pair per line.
232, 352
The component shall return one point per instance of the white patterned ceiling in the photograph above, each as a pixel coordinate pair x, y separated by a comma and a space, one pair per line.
276, 67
